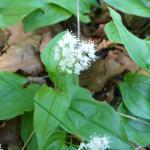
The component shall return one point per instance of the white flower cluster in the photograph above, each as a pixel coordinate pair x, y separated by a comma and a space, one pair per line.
95, 143
74, 56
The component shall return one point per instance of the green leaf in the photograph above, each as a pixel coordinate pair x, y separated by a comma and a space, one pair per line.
134, 7
138, 49
93, 3
135, 91
112, 33
12, 12
85, 117
56, 141
15, 99
48, 15
72, 7
137, 131
39, 13
63, 81
26, 131
57, 103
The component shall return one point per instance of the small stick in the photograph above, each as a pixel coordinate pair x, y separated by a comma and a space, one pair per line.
134, 118
28, 140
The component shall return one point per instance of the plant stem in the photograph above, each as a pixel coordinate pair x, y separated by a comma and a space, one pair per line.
134, 118
78, 19
28, 140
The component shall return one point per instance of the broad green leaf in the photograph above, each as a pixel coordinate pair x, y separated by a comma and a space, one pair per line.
112, 33
12, 12
138, 49
135, 91
137, 131
135, 7
85, 117
57, 103
26, 131
14, 99
93, 3
72, 7
56, 141
50, 14
62, 80
39, 13
146, 3
83, 123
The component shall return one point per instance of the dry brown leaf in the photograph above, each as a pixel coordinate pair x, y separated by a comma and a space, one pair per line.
103, 44
123, 59
23, 56
99, 73
46, 38
17, 34
22, 53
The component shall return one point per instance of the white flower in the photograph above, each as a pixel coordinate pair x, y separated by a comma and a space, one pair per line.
96, 143
82, 146
74, 56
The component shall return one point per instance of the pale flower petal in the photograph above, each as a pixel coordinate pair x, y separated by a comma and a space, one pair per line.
96, 143
74, 56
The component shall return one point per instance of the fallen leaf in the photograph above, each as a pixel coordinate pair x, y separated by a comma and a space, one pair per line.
23, 56
17, 34
123, 59
46, 38
103, 44
99, 73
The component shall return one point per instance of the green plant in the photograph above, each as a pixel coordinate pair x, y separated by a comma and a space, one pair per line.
39, 13
56, 112
135, 87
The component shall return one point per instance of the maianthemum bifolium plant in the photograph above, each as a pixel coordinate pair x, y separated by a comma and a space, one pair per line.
52, 114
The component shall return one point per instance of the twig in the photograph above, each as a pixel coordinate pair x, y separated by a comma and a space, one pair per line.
28, 140
134, 118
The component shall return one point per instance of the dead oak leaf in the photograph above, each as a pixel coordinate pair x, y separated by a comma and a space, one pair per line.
23, 56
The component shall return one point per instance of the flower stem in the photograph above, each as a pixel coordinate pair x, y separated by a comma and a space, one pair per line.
78, 19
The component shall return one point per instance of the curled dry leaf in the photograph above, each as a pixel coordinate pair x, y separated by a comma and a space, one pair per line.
22, 53
123, 59
46, 38
103, 44
17, 34
99, 73
23, 56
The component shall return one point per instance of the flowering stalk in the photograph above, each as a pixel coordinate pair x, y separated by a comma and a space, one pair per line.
73, 55
96, 143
